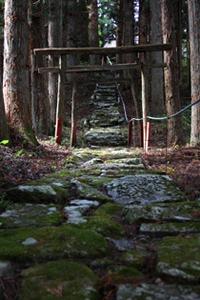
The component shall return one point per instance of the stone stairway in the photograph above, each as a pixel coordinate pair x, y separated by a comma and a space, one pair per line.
104, 227
106, 122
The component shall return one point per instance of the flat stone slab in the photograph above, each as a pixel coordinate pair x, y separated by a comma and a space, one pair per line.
143, 189
108, 136
157, 292
175, 212
28, 214
179, 258
171, 228
45, 190
76, 210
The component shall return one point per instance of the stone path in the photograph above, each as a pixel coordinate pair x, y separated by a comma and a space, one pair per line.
106, 122
103, 228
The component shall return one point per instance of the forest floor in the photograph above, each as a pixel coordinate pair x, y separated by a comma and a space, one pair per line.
19, 165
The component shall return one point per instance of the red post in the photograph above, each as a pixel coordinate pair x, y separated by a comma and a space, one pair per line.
58, 132
130, 133
148, 129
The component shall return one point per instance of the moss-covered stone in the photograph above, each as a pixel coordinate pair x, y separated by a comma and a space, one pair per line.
105, 220
162, 291
143, 189
59, 280
123, 274
95, 181
45, 190
170, 228
135, 257
52, 242
27, 215
179, 257
177, 211
88, 192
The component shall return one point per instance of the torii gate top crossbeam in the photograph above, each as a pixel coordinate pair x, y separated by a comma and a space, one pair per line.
102, 51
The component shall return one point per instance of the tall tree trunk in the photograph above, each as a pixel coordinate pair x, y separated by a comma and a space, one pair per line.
156, 74
16, 76
171, 73
3, 122
127, 27
194, 30
55, 27
40, 105
93, 28
119, 29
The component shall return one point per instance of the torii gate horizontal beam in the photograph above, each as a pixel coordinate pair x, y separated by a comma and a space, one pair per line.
90, 68
102, 51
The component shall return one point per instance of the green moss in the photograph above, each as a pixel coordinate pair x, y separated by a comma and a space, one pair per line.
134, 257
181, 253
105, 220
53, 219
88, 192
53, 242
125, 274
95, 181
171, 227
59, 280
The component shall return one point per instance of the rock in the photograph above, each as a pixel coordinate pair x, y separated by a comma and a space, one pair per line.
179, 258
29, 242
84, 203
27, 215
143, 189
42, 190
88, 192
170, 228
123, 244
6, 269
157, 292
109, 136
92, 162
77, 208
177, 212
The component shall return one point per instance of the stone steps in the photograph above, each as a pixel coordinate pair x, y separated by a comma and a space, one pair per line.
106, 121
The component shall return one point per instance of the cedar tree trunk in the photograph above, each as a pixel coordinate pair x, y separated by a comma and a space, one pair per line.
194, 29
16, 76
171, 72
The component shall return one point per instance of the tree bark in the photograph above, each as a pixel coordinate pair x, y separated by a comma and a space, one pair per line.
40, 103
194, 31
3, 122
93, 28
171, 72
156, 75
55, 28
16, 76
127, 27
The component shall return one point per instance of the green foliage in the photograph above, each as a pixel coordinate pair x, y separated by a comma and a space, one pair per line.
20, 153
4, 142
107, 20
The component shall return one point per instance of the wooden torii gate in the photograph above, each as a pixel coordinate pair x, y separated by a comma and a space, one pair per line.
62, 69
